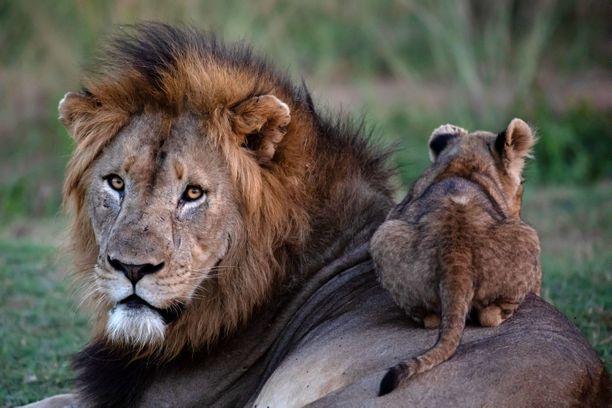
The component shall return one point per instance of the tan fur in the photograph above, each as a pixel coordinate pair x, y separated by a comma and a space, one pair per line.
457, 242
272, 197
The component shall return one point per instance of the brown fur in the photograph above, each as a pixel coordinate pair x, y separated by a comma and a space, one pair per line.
457, 242
269, 138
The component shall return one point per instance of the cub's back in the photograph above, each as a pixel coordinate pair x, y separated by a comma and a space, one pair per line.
410, 247
453, 198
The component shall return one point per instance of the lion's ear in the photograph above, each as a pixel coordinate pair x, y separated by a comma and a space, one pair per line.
514, 145
441, 137
261, 123
73, 109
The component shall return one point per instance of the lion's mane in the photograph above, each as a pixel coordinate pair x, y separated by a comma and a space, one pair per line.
155, 67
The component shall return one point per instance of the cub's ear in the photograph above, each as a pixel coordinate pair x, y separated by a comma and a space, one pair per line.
261, 123
514, 145
440, 138
73, 108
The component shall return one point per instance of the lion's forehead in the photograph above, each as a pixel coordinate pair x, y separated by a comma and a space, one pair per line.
155, 145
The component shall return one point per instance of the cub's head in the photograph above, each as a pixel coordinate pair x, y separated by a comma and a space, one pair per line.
496, 161
182, 188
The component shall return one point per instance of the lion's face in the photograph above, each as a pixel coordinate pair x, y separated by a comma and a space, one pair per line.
177, 216
163, 211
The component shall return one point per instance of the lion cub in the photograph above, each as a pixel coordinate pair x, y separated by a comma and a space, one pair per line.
457, 242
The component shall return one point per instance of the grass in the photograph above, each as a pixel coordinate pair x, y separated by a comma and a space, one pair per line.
41, 327
574, 228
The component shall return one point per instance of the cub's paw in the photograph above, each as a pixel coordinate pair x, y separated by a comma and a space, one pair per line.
490, 316
431, 321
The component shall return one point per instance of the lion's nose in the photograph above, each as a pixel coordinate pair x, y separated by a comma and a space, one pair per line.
134, 272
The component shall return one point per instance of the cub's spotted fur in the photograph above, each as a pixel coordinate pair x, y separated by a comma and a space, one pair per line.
457, 242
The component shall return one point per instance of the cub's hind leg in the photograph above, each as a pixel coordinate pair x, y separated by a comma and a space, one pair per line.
516, 272
403, 268
518, 255
391, 244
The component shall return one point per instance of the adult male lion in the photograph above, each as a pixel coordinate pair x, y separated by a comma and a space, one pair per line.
220, 227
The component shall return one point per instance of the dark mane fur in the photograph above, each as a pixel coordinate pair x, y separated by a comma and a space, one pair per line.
107, 377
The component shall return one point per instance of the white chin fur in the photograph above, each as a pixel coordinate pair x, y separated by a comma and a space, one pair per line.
138, 326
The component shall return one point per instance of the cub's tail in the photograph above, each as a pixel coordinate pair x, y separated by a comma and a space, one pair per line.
456, 294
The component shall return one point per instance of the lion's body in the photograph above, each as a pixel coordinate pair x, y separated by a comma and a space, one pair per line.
259, 290
331, 343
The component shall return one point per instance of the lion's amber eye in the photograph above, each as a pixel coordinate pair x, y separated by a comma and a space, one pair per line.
115, 182
192, 193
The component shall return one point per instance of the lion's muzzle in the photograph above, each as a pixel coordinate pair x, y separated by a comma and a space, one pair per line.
134, 272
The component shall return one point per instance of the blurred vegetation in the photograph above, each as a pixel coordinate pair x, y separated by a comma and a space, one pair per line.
411, 65
407, 65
